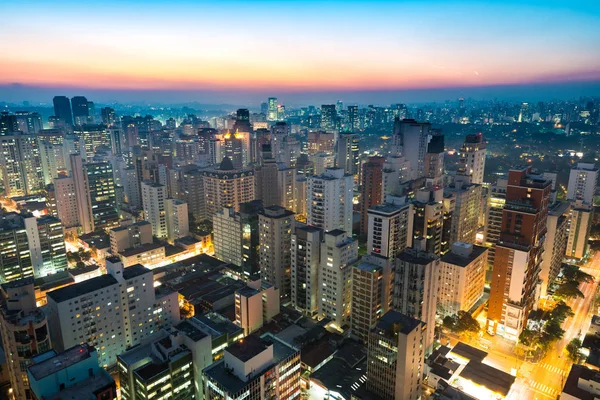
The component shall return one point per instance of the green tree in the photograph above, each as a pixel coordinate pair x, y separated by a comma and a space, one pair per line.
463, 322
568, 290
561, 312
572, 349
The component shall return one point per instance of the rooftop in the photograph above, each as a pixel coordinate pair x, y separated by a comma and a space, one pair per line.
395, 320
490, 377
142, 249
135, 271
572, 383
190, 330
469, 352
81, 288
218, 324
60, 361
417, 257
459, 260
86, 388
247, 348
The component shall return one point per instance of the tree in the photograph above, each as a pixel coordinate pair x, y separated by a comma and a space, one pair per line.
572, 273
561, 312
84, 255
463, 322
568, 290
529, 337
572, 349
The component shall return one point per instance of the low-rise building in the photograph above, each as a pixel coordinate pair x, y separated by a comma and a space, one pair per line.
255, 305
72, 374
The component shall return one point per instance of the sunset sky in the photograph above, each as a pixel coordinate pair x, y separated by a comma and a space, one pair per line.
296, 46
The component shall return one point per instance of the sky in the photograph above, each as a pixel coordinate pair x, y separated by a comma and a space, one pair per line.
240, 50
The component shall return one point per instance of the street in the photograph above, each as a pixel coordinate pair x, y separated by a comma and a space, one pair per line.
544, 379
547, 377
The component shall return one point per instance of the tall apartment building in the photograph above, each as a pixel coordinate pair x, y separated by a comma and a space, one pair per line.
555, 245
25, 332
472, 158
111, 312
371, 189
467, 209
462, 278
275, 241
255, 304
347, 152
496, 201
103, 199
396, 171
130, 181
15, 256
153, 201
192, 192
367, 298
329, 200
20, 165
71, 374
434, 161
46, 245
416, 287
433, 218
286, 186
306, 260
396, 353
266, 178
130, 236
177, 219
338, 253
583, 179
226, 187
580, 223
390, 227
167, 365
227, 237
519, 252
412, 137
255, 367
319, 142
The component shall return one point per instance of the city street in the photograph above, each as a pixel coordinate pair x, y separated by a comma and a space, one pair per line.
544, 379
547, 377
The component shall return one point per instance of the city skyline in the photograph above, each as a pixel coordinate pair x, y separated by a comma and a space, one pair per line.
243, 50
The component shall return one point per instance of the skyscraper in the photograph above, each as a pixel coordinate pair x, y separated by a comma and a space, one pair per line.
347, 152
329, 200
472, 158
306, 260
108, 116
80, 110
367, 298
494, 210
416, 288
412, 137
583, 179
46, 245
555, 246
339, 251
519, 252
15, 256
328, 116
25, 332
101, 192
272, 109
153, 200
226, 186
396, 356
62, 109
275, 240
390, 227
371, 188
177, 219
